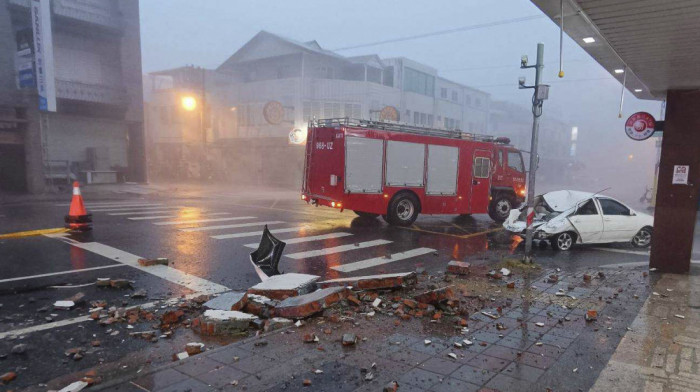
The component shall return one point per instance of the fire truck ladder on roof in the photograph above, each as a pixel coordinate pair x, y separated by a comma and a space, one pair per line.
398, 127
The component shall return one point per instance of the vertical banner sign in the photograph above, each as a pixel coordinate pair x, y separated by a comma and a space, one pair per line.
43, 54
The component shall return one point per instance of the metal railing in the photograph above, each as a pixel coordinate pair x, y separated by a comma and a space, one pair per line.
398, 127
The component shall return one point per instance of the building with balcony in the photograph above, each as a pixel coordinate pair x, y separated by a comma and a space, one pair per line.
97, 126
259, 101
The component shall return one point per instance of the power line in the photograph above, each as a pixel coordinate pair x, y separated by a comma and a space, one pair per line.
514, 66
514, 84
443, 32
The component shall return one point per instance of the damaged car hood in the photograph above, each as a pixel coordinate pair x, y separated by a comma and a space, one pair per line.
561, 201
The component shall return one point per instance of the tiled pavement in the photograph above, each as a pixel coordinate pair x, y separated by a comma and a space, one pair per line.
567, 353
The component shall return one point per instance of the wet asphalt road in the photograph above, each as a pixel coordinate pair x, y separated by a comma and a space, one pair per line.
141, 226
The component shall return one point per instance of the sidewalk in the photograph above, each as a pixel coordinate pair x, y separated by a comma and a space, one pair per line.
540, 340
662, 353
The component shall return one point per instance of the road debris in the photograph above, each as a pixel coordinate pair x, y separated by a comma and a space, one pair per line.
152, 262
458, 267
228, 301
7, 377
74, 387
374, 282
349, 339
222, 322
305, 305
63, 305
194, 348
285, 285
392, 386
591, 315
680, 316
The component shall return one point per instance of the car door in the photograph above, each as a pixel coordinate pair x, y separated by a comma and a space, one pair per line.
618, 222
588, 221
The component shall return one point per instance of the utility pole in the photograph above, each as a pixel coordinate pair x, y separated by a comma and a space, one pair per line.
541, 93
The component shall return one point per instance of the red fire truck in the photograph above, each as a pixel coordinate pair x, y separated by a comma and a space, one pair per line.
398, 171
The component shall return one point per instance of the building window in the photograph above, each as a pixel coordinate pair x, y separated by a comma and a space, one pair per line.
416, 117
455, 97
408, 115
430, 120
468, 99
458, 124
443, 93
423, 118
418, 82
477, 102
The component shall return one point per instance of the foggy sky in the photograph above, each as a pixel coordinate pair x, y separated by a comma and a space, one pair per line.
207, 32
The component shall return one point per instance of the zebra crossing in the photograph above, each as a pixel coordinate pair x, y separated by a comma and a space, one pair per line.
221, 226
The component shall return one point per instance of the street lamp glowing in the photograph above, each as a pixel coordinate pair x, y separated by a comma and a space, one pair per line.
189, 103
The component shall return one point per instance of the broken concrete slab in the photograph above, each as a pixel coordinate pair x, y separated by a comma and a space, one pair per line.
458, 267
349, 339
63, 305
222, 322
285, 285
306, 305
228, 301
436, 296
374, 282
74, 387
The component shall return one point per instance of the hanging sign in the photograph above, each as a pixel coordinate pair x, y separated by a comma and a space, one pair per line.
640, 126
43, 54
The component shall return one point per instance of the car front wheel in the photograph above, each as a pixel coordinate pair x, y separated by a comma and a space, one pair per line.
563, 241
643, 238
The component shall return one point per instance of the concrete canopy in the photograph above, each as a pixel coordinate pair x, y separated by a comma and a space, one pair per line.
656, 41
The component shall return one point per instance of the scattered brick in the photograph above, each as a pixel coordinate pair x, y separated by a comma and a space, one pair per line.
222, 322
7, 377
436, 296
194, 348
307, 382
306, 305
510, 285
458, 267
591, 315
392, 386
349, 339
374, 282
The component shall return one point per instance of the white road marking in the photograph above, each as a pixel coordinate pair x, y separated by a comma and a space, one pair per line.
159, 210
337, 249
165, 272
101, 206
631, 252
381, 260
306, 239
134, 209
254, 233
205, 228
110, 203
193, 221
60, 273
174, 216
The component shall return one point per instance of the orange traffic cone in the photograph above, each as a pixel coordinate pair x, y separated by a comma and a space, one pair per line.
78, 218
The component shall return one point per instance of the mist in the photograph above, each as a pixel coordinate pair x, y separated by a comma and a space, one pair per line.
205, 34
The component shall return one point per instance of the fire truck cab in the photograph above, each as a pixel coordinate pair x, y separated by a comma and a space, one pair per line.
399, 171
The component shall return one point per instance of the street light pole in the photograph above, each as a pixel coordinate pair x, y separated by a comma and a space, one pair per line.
541, 93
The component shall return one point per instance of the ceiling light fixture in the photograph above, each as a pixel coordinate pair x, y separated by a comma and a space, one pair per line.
637, 90
619, 71
589, 40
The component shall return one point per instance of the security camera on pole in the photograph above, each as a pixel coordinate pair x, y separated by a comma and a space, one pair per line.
541, 93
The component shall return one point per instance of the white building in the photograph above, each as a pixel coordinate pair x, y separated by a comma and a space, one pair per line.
273, 85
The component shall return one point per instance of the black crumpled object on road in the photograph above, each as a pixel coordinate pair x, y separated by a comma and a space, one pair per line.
267, 257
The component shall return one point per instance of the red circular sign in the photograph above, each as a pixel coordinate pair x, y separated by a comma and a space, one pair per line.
640, 126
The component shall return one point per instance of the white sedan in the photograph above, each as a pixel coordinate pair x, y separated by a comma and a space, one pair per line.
565, 218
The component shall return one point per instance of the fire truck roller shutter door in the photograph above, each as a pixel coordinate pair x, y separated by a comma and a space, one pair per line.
363, 165
442, 170
405, 164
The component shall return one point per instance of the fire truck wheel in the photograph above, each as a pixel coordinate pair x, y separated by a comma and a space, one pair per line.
403, 209
367, 215
500, 207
